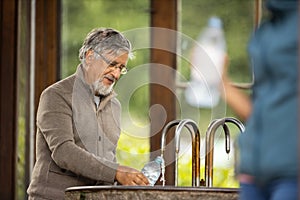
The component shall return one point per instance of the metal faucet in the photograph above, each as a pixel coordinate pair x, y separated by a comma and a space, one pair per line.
164, 134
209, 144
163, 145
195, 135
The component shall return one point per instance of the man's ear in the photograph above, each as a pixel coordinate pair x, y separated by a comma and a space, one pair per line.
89, 56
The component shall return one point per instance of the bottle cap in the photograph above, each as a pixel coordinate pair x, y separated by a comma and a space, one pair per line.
159, 159
215, 22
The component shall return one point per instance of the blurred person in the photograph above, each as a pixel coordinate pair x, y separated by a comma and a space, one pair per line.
78, 122
268, 161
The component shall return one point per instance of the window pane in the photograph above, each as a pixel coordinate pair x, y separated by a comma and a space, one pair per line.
237, 17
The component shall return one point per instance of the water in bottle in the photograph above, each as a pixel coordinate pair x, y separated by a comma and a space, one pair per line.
206, 66
152, 170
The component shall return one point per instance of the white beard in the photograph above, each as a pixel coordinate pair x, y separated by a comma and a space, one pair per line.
101, 89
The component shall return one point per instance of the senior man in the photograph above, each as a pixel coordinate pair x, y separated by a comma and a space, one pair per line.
78, 122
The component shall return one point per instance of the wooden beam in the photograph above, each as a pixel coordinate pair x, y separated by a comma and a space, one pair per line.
162, 78
47, 45
8, 97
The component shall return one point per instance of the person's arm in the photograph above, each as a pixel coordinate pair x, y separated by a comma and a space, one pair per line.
239, 101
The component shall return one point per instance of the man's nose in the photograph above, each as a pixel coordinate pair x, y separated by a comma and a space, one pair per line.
116, 73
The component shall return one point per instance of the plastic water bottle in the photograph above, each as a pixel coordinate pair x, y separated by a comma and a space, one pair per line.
207, 64
152, 170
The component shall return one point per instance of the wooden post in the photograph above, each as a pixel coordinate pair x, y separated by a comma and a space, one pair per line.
162, 78
8, 97
46, 69
47, 45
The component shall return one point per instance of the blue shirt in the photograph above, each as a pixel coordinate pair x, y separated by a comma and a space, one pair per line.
269, 146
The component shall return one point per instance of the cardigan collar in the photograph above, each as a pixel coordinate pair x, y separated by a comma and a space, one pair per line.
83, 108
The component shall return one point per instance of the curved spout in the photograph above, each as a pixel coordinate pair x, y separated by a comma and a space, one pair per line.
239, 124
209, 149
195, 136
164, 133
209, 144
227, 138
163, 146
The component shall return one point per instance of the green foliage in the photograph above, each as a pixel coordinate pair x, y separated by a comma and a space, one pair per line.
237, 17
81, 16
21, 158
21, 147
223, 177
133, 151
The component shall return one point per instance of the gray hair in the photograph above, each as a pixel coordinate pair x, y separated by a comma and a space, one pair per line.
105, 40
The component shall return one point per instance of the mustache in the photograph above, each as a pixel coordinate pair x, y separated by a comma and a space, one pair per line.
100, 89
110, 77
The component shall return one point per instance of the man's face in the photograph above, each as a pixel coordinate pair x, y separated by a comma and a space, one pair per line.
106, 78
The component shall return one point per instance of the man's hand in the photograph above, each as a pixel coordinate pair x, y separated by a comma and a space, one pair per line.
129, 176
